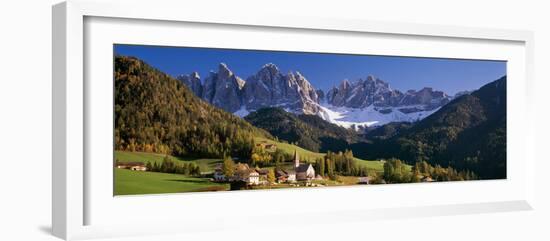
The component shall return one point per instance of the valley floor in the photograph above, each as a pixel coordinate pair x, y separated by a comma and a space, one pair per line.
129, 182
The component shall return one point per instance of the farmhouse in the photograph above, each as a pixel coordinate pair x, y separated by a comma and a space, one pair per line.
250, 176
242, 173
134, 166
263, 175
285, 176
267, 146
281, 176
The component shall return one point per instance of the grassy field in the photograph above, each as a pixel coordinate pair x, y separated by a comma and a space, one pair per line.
289, 148
135, 182
206, 165
311, 156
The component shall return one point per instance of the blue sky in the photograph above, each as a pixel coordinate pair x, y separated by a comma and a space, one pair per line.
325, 70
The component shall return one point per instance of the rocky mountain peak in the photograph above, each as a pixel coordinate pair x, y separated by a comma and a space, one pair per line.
223, 89
193, 81
301, 80
223, 71
269, 87
195, 75
271, 66
426, 90
344, 85
269, 70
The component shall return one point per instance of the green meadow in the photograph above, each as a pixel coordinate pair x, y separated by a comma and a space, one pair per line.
206, 165
129, 182
304, 154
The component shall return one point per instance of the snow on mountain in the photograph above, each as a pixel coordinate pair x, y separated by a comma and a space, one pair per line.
370, 116
242, 112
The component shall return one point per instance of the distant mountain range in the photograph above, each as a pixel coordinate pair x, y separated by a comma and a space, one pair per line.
267, 88
364, 102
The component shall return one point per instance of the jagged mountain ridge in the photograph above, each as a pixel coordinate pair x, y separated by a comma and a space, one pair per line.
373, 91
364, 102
270, 88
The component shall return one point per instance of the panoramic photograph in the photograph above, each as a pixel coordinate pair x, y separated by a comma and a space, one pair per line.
191, 119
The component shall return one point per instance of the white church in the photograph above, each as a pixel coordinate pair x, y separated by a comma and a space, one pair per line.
301, 172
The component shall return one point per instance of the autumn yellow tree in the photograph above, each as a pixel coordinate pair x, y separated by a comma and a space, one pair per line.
271, 176
228, 167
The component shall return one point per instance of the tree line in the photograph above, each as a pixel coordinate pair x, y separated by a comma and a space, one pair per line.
341, 163
170, 166
396, 171
261, 157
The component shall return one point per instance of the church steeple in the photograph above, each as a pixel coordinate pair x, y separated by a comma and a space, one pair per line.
296, 159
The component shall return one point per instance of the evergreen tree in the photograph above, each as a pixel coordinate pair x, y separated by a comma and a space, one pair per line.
322, 166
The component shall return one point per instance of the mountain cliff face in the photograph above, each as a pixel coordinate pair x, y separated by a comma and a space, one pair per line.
267, 88
223, 89
364, 102
270, 88
193, 81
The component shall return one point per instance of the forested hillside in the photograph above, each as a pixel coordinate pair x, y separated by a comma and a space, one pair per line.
307, 131
468, 133
157, 113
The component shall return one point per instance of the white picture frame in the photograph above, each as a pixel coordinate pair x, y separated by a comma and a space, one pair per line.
76, 192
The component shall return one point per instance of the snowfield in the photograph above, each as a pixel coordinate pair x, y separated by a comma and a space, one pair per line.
367, 117
242, 112
357, 117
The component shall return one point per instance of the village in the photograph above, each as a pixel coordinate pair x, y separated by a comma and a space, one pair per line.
301, 174
295, 173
